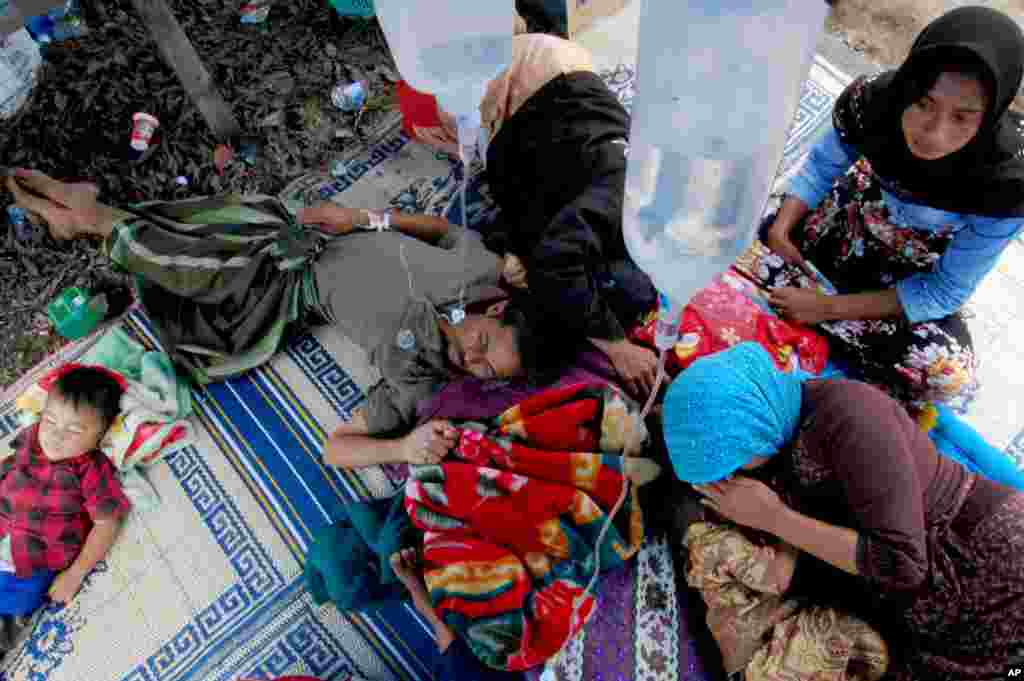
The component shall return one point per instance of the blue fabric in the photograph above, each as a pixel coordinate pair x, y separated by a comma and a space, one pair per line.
957, 440
363, 9
349, 562
727, 408
828, 158
954, 438
23, 597
974, 251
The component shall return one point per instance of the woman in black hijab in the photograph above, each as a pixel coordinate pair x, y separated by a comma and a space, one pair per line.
904, 206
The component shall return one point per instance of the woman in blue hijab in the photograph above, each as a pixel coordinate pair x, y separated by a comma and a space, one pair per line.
921, 548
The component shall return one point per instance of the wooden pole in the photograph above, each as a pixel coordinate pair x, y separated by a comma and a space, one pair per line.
180, 54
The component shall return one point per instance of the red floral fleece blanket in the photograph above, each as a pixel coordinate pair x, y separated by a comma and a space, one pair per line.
513, 521
730, 310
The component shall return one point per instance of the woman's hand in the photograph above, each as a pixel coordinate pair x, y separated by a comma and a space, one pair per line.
440, 138
637, 366
334, 218
429, 443
803, 306
66, 585
743, 500
784, 565
514, 272
778, 240
69, 208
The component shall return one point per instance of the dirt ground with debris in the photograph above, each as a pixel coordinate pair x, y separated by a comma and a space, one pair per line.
277, 76
883, 31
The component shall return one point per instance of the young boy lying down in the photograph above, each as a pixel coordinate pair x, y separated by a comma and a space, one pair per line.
61, 502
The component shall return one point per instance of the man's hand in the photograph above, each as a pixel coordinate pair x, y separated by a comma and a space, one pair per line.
429, 443
66, 585
70, 209
778, 240
334, 218
803, 306
636, 366
514, 272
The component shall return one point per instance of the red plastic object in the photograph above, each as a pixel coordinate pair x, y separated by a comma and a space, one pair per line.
222, 155
419, 109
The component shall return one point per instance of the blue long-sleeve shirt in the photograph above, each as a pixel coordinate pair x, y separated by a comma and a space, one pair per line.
977, 243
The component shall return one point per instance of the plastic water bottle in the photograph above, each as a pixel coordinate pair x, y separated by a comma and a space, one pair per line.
450, 49
718, 84
20, 60
41, 29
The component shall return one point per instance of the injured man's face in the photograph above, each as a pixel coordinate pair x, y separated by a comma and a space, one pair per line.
483, 347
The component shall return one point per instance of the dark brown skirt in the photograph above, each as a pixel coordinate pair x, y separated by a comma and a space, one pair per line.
972, 626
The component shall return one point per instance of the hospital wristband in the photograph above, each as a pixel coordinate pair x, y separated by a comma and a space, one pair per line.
379, 222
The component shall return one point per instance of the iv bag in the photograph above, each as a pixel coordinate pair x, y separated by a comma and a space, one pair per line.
450, 49
717, 86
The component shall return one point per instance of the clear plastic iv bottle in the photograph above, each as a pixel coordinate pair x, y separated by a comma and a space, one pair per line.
718, 85
450, 49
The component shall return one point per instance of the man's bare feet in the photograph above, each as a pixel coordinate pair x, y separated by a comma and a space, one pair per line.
407, 569
69, 209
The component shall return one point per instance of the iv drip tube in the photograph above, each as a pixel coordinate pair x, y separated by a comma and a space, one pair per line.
578, 600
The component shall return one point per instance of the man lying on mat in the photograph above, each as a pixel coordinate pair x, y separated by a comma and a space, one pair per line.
223, 280
556, 168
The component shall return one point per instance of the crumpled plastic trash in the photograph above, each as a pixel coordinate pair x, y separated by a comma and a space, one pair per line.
248, 149
255, 11
25, 231
362, 9
58, 24
350, 96
20, 61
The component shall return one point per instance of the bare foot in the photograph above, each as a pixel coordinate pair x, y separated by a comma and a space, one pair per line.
60, 233
407, 569
69, 209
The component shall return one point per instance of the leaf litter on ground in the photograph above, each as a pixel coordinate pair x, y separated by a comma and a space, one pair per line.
77, 123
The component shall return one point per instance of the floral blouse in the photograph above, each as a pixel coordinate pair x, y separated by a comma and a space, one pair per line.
974, 250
